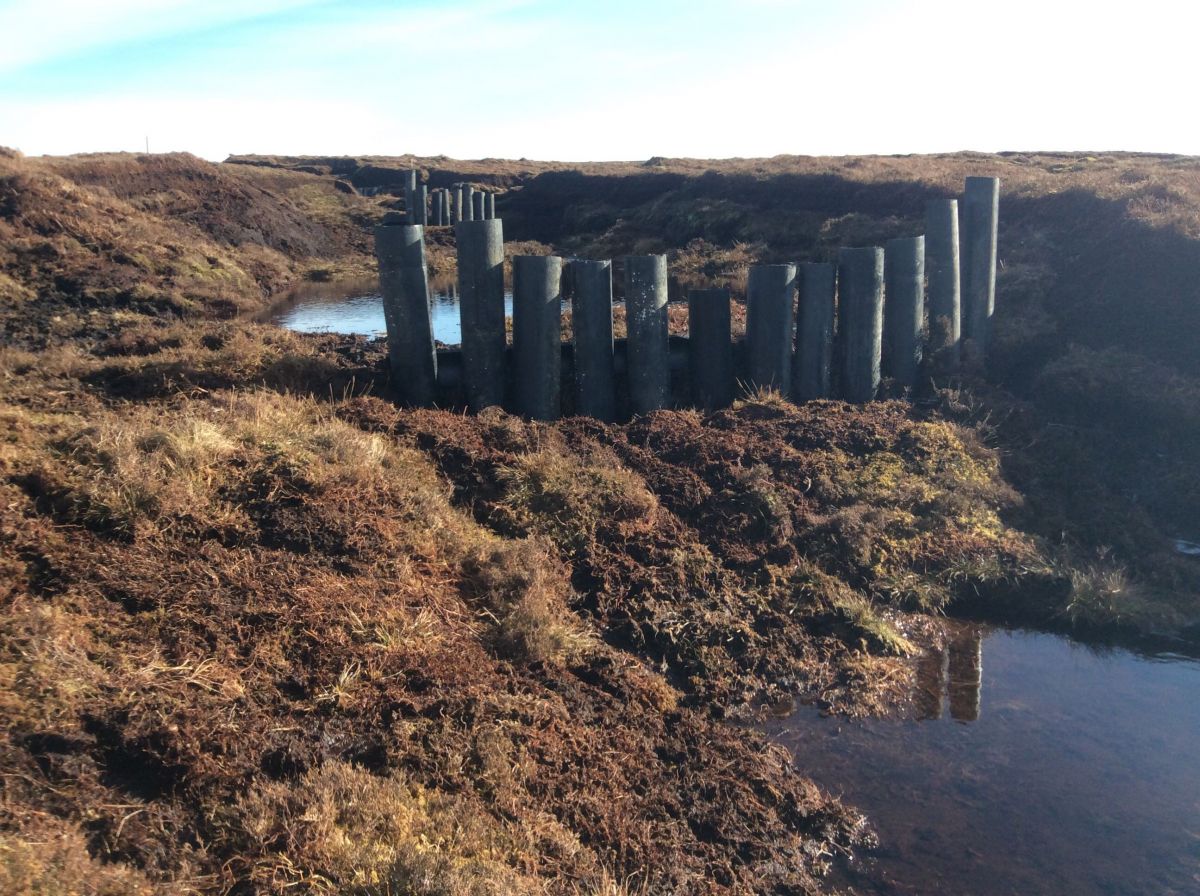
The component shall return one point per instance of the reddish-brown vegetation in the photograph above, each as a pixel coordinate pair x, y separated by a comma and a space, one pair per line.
262, 631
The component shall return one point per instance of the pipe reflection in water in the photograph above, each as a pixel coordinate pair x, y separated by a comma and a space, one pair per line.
1081, 778
931, 684
966, 675
954, 674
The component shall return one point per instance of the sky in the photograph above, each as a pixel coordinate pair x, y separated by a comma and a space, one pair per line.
578, 80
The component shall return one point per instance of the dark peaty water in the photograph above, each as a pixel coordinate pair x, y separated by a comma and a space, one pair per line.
1040, 767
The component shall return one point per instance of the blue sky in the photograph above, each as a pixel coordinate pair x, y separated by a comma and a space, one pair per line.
595, 80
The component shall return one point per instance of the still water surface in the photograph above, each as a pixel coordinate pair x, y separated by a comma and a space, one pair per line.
358, 309
1039, 767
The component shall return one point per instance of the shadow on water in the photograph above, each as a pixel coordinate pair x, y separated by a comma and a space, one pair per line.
1033, 766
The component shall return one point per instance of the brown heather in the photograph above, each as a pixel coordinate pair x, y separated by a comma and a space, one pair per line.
261, 631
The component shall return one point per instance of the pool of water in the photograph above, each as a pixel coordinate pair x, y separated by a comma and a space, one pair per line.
358, 309
1036, 766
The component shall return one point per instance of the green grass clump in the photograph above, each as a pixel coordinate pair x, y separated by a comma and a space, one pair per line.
1104, 597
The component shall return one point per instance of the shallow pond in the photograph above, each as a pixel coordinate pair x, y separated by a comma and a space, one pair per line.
357, 309
1038, 767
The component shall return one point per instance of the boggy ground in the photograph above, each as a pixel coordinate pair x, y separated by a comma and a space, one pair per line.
1092, 388
262, 643
263, 631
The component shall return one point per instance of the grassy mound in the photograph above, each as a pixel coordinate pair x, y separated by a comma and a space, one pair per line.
261, 642
249, 646
93, 245
749, 554
262, 631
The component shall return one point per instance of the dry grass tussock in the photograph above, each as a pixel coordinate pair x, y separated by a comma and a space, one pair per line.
53, 860
554, 494
521, 587
131, 473
374, 835
159, 360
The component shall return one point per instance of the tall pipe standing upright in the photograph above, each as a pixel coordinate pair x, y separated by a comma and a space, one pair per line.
458, 203
646, 324
481, 308
904, 308
943, 268
410, 195
479, 209
770, 299
981, 216
422, 199
491, 205
468, 202
710, 347
400, 250
537, 334
592, 332
813, 362
860, 322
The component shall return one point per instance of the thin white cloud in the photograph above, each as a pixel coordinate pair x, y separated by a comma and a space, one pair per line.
37, 31
406, 31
